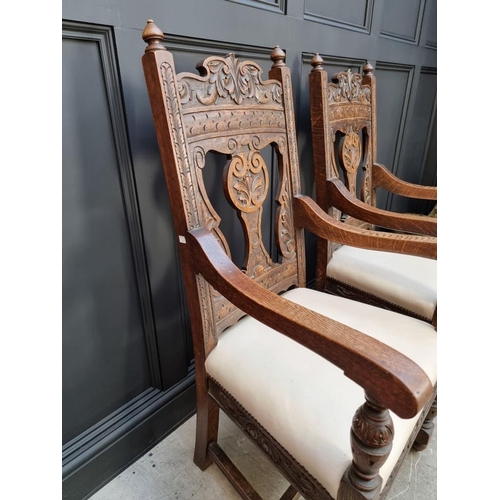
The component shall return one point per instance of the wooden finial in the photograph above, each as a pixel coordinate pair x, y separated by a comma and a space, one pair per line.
316, 62
367, 69
278, 57
153, 36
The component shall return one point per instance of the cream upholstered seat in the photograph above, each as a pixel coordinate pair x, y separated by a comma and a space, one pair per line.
304, 402
405, 280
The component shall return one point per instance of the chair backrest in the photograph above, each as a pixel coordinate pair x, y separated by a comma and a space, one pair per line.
344, 130
227, 109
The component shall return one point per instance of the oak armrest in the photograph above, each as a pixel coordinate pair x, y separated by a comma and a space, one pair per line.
382, 177
309, 215
391, 378
340, 197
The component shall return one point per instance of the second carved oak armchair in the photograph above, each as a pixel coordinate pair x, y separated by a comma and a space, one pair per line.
334, 392
344, 136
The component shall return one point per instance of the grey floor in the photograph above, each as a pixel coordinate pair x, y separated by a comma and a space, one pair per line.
167, 471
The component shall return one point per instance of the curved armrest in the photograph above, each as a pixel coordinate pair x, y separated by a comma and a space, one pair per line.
382, 177
310, 216
341, 198
387, 375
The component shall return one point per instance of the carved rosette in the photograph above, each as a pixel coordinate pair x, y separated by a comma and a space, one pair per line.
349, 88
228, 78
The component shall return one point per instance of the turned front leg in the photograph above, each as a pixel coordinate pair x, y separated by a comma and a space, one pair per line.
372, 433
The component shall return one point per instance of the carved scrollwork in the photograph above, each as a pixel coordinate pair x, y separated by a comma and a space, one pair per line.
349, 88
199, 156
228, 77
286, 230
185, 93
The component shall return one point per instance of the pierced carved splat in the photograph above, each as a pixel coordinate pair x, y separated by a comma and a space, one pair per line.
228, 108
246, 183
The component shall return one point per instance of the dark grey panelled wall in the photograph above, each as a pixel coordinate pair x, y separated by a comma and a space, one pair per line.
127, 355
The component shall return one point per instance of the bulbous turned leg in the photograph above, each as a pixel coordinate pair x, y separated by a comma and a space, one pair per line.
425, 433
372, 433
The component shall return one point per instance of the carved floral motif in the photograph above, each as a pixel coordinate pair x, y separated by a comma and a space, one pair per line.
248, 181
351, 150
229, 77
349, 88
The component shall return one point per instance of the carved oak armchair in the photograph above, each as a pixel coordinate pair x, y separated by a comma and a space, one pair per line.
334, 392
344, 138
